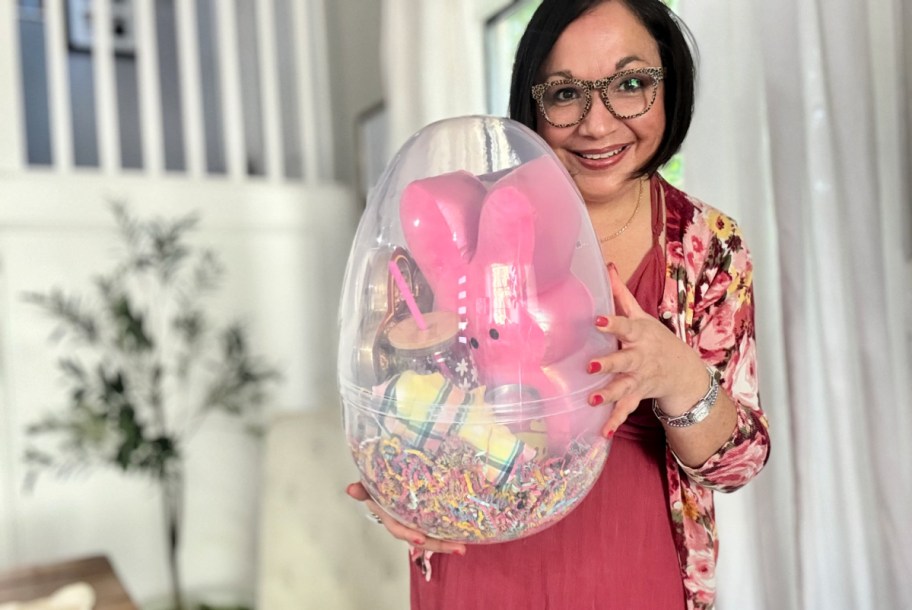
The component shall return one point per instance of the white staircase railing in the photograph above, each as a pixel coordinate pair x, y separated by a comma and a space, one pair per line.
305, 78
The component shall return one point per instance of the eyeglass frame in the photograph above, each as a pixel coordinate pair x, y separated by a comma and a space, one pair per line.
538, 93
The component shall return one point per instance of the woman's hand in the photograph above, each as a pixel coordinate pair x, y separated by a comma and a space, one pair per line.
415, 538
651, 362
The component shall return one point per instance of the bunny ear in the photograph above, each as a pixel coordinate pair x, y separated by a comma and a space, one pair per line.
506, 229
558, 211
439, 218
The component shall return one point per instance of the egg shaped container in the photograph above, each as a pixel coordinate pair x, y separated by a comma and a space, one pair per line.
467, 321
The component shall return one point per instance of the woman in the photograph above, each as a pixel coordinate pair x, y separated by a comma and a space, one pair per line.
609, 86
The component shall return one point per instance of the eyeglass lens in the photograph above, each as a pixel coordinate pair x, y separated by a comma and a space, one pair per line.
627, 96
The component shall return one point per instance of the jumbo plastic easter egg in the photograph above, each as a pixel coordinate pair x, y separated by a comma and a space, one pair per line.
466, 324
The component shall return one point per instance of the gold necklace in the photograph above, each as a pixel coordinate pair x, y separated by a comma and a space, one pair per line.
629, 220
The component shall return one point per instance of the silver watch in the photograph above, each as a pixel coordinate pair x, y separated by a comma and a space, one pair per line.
696, 413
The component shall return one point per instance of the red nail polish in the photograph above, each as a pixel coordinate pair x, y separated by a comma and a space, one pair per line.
601, 321
594, 367
459, 552
609, 434
417, 541
596, 399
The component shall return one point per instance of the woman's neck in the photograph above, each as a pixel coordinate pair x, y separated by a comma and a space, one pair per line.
623, 206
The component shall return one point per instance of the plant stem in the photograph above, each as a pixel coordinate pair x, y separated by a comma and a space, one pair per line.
172, 496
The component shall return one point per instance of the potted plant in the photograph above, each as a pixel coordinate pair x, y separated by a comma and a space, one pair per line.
139, 350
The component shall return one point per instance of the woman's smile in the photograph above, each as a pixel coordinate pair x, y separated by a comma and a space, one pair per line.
601, 158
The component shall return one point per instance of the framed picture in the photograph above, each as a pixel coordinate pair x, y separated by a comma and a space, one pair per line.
80, 26
371, 142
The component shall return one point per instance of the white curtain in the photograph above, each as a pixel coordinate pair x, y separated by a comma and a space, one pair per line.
802, 134
433, 63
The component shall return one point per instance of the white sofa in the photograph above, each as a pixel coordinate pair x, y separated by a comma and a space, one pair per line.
317, 548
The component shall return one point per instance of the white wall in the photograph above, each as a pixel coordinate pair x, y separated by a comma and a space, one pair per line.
284, 244
284, 247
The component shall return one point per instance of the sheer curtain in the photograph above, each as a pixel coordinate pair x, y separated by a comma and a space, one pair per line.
433, 63
802, 134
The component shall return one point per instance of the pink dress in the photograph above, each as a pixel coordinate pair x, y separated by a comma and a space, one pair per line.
614, 551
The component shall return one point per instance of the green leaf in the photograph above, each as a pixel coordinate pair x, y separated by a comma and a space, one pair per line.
68, 311
131, 331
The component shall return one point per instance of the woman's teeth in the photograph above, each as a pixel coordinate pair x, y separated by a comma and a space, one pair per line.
606, 155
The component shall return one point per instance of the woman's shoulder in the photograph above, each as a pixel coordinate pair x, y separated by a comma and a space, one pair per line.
689, 215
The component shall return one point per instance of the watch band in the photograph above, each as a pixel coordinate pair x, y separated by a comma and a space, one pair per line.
696, 413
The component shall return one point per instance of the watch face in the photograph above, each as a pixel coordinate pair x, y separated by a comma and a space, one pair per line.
699, 414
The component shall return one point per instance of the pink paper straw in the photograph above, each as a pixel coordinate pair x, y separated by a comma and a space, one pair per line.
409, 297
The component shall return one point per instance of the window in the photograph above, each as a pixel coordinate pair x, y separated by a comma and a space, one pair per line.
502, 33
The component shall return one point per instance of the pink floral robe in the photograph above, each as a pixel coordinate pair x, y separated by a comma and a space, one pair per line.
709, 304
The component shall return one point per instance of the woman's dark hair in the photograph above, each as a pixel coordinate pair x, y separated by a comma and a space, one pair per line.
676, 50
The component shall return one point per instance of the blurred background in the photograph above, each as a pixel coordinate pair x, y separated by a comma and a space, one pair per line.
272, 119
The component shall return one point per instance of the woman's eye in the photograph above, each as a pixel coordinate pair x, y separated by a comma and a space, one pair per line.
564, 94
631, 83
634, 83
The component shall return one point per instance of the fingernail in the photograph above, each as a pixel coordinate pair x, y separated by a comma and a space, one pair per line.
609, 434
459, 552
601, 321
594, 367
596, 399
417, 541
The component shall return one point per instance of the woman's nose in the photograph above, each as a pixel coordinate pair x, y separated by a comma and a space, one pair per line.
599, 120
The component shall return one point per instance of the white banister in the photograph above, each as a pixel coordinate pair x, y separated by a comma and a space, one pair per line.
230, 77
269, 84
190, 87
149, 86
307, 91
106, 111
302, 66
12, 143
58, 84
320, 99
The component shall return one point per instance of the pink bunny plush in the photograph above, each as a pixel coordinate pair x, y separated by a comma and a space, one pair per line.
500, 257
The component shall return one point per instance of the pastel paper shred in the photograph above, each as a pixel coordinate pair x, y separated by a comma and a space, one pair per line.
426, 409
448, 496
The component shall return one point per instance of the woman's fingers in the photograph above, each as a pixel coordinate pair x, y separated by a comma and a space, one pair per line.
622, 391
409, 535
357, 491
620, 385
621, 361
622, 410
624, 300
623, 328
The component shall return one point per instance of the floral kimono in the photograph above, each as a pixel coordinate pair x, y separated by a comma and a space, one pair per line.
708, 303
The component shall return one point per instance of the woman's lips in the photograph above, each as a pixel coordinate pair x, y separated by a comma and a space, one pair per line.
601, 159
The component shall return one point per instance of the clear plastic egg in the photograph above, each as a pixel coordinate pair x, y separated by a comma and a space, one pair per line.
466, 325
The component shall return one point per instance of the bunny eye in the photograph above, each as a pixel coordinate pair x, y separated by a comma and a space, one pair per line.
473, 342
494, 334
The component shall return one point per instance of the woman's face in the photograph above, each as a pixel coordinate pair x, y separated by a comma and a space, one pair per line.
602, 152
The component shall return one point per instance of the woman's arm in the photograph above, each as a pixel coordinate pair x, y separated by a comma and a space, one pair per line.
653, 363
731, 444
